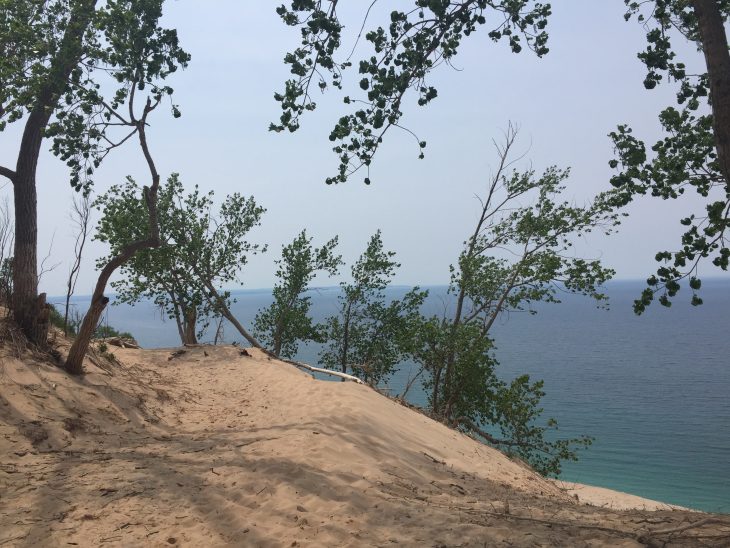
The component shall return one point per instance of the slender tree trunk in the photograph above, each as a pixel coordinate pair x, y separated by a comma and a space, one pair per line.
82, 212
277, 347
218, 331
224, 311
178, 320
717, 57
435, 403
346, 338
277, 338
29, 310
75, 359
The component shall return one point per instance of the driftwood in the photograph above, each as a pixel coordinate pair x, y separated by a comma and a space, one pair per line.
121, 342
176, 354
301, 365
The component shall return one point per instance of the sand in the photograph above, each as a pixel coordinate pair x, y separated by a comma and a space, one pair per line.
219, 447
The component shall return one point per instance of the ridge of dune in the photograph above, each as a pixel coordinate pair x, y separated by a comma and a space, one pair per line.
222, 447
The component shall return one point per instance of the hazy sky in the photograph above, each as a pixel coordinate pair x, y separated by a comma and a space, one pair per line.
565, 104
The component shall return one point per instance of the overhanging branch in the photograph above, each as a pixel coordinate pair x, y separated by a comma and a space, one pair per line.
6, 172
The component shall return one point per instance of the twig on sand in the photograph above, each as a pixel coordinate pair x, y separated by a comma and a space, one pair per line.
11, 539
687, 526
434, 459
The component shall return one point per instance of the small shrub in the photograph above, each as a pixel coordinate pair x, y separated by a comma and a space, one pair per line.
56, 318
107, 331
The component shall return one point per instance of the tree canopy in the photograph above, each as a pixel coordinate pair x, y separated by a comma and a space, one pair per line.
404, 53
521, 212
198, 248
286, 322
371, 334
695, 154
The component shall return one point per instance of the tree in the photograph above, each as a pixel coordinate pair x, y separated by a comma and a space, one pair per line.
198, 249
455, 351
151, 239
370, 336
153, 273
53, 54
138, 53
404, 54
286, 322
695, 154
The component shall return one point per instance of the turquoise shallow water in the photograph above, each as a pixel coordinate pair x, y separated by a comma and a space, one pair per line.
654, 390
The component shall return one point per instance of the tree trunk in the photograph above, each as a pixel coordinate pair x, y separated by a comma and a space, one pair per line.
75, 359
220, 304
717, 57
435, 403
179, 324
345, 338
190, 320
28, 309
278, 330
25, 261
277, 347
218, 331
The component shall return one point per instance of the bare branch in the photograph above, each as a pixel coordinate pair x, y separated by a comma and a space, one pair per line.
43, 268
81, 213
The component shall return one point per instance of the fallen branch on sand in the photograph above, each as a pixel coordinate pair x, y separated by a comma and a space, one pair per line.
345, 376
686, 527
645, 537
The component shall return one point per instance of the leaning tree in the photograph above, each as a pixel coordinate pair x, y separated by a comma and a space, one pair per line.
371, 334
519, 253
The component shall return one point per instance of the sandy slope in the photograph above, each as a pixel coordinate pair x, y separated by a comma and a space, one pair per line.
215, 448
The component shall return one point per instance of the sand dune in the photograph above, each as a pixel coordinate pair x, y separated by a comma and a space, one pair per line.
215, 448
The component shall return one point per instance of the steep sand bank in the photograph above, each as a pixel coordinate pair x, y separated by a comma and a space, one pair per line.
215, 448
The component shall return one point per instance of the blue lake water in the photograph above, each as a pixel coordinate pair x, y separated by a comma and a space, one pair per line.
653, 390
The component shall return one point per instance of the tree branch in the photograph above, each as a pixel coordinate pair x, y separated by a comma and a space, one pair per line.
7, 172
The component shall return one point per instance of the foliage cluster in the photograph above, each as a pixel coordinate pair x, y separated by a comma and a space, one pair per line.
281, 326
370, 335
403, 55
685, 160
199, 249
521, 213
118, 43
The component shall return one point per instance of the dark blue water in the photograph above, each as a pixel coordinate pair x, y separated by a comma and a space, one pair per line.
653, 390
